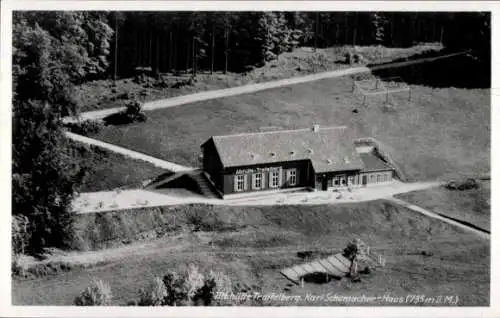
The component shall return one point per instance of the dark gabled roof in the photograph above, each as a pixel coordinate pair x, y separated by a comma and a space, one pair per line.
372, 162
328, 149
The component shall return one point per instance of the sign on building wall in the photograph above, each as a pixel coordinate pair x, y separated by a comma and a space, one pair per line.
255, 170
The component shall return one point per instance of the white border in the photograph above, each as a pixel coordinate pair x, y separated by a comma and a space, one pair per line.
5, 154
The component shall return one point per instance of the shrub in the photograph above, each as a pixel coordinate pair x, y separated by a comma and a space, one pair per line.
17, 267
468, 184
97, 294
216, 283
161, 82
189, 288
196, 221
155, 295
203, 289
133, 107
86, 127
194, 281
351, 250
20, 233
133, 112
142, 79
176, 289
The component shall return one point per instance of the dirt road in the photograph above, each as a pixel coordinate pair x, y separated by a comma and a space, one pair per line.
251, 88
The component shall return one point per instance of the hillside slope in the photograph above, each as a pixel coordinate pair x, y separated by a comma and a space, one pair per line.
252, 244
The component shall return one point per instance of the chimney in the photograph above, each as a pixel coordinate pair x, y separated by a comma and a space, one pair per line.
315, 128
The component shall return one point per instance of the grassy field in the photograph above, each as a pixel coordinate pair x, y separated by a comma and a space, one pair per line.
439, 133
107, 170
251, 245
471, 206
103, 94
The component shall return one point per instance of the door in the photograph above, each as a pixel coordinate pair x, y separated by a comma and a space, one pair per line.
364, 180
318, 183
350, 181
325, 184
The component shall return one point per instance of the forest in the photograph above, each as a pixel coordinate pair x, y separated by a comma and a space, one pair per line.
54, 51
236, 41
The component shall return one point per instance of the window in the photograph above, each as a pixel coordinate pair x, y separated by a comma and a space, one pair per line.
275, 179
342, 180
240, 182
351, 180
292, 177
379, 178
336, 181
257, 181
330, 182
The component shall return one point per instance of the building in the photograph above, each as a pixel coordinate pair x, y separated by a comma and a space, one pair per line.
323, 158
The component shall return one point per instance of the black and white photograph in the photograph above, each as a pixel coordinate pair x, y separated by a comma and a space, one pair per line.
238, 157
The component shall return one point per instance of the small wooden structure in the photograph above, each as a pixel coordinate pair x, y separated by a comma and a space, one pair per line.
335, 265
373, 86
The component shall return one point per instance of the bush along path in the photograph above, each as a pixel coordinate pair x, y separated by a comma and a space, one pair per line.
251, 88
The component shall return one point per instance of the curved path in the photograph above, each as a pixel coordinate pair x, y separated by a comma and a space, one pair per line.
251, 88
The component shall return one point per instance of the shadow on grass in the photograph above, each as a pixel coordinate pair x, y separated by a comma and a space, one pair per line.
469, 70
122, 118
319, 278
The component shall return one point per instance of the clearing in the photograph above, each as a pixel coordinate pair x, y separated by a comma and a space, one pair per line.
103, 94
446, 130
252, 244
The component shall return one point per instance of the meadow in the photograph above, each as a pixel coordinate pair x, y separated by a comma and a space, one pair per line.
251, 245
106, 171
439, 133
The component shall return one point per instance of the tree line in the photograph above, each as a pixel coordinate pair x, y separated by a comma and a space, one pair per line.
52, 52
57, 50
236, 41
